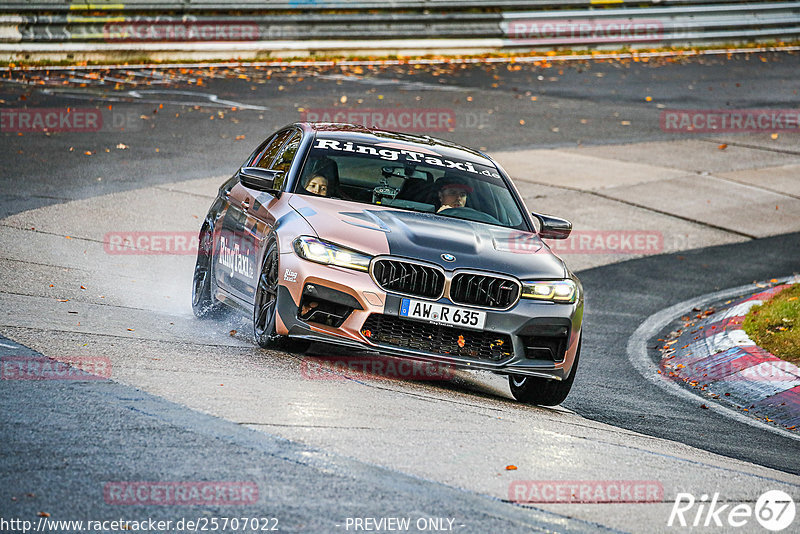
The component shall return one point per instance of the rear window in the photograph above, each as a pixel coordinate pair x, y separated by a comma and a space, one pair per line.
410, 178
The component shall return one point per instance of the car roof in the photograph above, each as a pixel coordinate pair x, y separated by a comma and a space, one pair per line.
357, 133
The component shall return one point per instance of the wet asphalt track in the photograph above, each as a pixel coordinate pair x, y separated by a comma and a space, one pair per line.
40, 170
608, 389
575, 104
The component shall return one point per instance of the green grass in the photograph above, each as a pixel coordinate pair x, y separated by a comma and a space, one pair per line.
775, 325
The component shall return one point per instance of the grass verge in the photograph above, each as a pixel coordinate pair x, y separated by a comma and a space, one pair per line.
775, 325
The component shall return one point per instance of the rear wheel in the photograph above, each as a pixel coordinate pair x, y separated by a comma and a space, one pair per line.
203, 302
543, 391
265, 309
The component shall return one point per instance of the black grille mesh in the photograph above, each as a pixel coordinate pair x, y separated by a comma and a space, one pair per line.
437, 339
409, 278
483, 290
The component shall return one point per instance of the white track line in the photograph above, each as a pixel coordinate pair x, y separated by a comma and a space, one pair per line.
637, 354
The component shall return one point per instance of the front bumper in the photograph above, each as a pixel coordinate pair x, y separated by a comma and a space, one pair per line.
532, 338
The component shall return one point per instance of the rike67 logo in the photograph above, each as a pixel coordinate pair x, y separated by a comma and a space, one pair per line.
774, 510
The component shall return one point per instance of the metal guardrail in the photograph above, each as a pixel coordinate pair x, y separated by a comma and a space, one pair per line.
494, 27
21, 6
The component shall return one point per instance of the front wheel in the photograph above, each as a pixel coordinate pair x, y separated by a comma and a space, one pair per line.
265, 309
543, 391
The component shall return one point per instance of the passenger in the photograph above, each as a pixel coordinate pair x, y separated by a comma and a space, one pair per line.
317, 185
452, 193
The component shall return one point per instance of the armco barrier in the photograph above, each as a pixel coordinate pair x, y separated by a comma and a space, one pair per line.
301, 27
279, 5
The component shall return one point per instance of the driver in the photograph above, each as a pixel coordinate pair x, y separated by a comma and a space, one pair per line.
453, 192
317, 185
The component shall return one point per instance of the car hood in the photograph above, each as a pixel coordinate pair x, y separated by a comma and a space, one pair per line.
426, 236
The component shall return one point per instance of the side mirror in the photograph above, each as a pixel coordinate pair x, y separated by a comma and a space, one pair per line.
553, 227
260, 179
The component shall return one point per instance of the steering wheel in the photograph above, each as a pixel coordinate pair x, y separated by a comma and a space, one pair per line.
469, 213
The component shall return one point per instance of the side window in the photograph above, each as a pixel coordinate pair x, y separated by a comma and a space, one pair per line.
285, 157
265, 158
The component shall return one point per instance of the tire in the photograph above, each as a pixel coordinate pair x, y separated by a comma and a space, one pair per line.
204, 305
265, 307
543, 391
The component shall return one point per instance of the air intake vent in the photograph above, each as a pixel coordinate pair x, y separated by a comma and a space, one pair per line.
436, 339
408, 278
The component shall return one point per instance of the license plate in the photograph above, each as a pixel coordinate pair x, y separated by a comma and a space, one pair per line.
433, 312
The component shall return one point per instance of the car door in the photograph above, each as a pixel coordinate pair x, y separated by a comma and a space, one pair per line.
236, 268
259, 219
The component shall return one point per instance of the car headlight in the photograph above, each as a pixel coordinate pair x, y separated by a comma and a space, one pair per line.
552, 290
316, 250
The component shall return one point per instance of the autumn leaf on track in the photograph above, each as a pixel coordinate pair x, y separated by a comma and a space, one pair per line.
723, 146
511, 468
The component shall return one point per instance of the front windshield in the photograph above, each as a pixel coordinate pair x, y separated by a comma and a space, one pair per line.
409, 177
